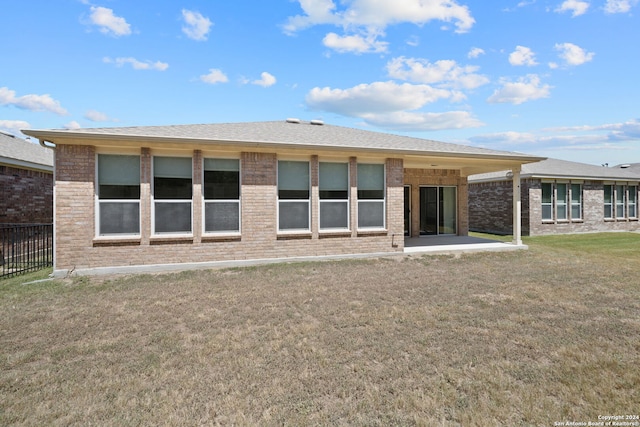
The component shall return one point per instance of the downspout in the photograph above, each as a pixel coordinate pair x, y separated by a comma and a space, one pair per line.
52, 147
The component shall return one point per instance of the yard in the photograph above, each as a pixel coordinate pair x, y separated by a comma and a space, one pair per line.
534, 337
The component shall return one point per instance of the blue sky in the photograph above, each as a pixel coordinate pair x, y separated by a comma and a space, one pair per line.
554, 78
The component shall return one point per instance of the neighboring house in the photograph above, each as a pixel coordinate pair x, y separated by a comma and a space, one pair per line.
199, 194
557, 197
26, 182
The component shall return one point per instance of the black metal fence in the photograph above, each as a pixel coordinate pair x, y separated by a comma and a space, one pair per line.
25, 248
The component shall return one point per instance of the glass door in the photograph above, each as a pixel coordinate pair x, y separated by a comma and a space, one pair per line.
438, 211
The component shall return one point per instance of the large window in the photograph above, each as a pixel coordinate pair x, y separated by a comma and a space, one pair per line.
334, 196
371, 196
293, 196
561, 201
620, 201
118, 195
221, 195
172, 194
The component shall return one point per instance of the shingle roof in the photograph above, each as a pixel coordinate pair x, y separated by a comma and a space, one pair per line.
19, 152
556, 168
299, 135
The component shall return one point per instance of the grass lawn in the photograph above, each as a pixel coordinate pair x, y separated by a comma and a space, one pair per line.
516, 338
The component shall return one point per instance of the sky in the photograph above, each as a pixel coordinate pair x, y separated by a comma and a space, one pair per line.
553, 78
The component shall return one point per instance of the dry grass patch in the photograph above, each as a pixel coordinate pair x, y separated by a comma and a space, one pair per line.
525, 338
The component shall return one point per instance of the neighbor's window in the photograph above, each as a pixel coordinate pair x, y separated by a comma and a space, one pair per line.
172, 194
620, 198
118, 194
608, 201
576, 201
221, 195
561, 201
547, 201
334, 196
371, 196
293, 196
633, 201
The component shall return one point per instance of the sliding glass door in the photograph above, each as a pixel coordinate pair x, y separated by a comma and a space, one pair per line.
438, 210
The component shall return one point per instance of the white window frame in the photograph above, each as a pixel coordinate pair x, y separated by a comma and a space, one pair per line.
620, 204
99, 201
564, 202
611, 203
205, 202
635, 201
571, 202
550, 204
291, 201
382, 201
344, 201
154, 233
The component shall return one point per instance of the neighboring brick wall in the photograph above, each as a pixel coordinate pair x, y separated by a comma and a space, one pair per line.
26, 196
77, 248
436, 177
490, 210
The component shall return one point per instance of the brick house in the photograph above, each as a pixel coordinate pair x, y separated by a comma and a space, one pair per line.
557, 197
197, 195
26, 182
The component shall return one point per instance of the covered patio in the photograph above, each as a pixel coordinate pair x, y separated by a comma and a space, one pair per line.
456, 244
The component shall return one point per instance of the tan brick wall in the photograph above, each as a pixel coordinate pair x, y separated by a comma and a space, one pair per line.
77, 247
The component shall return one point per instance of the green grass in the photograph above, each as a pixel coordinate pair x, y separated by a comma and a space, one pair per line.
516, 338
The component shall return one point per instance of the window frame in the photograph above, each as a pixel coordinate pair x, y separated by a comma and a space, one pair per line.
382, 200
608, 204
344, 200
206, 201
285, 201
99, 201
155, 201
632, 189
572, 203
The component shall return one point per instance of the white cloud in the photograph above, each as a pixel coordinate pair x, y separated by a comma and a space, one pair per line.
355, 44
619, 6
215, 76
446, 73
73, 125
573, 54
197, 26
14, 126
391, 105
108, 22
265, 80
527, 88
31, 102
137, 65
577, 7
377, 97
475, 53
97, 116
522, 56
371, 17
417, 121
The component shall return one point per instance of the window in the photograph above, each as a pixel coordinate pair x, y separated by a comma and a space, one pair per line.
620, 201
561, 201
118, 194
334, 196
293, 196
547, 201
576, 201
371, 196
633, 201
172, 193
608, 201
221, 188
